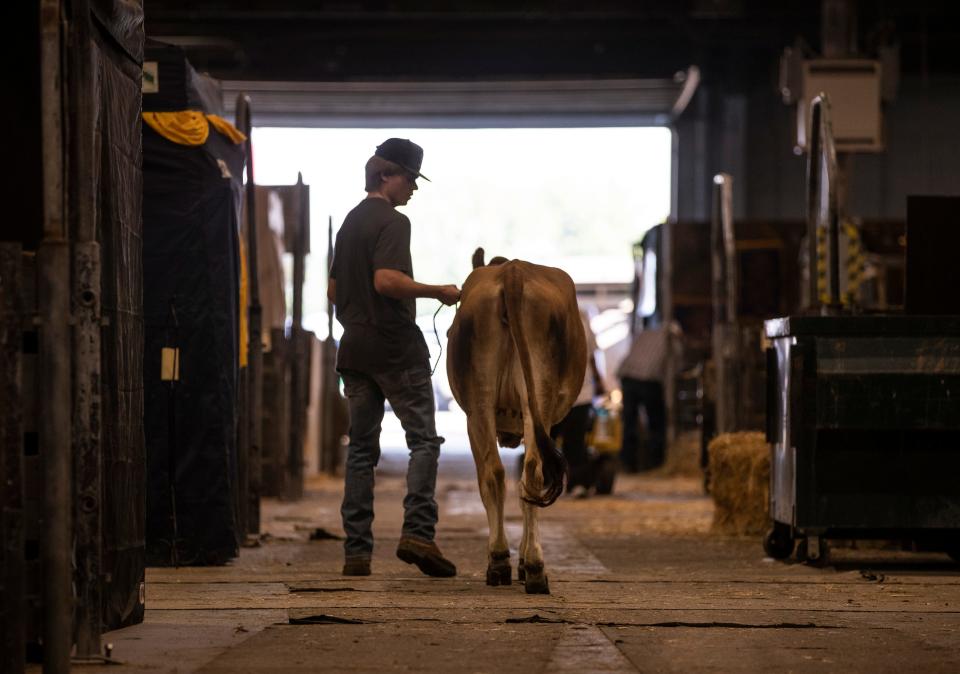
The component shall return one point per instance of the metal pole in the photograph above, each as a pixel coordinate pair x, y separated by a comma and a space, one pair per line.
722, 249
732, 327
53, 295
328, 381
665, 265
813, 202
834, 232
255, 328
88, 463
833, 213
719, 313
725, 332
295, 457
822, 178
330, 308
729, 247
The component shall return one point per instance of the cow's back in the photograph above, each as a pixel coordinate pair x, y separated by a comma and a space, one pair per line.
482, 360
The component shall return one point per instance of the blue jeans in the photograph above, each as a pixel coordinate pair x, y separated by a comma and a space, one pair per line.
410, 393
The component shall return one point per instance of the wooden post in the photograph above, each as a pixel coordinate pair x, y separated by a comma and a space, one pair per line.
277, 406
253, 409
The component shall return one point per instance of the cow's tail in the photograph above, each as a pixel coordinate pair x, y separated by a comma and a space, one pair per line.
553, 464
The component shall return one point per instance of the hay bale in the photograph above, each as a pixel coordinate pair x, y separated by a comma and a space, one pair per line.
740, 482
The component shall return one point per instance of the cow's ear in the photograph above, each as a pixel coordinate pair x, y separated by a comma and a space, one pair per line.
499, 259
477, 258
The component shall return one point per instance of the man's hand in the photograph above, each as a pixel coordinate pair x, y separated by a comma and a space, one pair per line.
399, 286
448, 294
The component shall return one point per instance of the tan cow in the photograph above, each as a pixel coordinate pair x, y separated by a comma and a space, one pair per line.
516, 359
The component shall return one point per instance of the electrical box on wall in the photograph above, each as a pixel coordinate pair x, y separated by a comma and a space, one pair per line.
854, 88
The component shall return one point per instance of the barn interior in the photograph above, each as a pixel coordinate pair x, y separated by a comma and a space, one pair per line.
770, 187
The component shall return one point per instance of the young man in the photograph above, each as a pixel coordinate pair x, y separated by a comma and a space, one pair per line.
383, 356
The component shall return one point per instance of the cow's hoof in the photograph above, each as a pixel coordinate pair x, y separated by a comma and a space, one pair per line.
499, 574
537, 585
535, 581
521, 571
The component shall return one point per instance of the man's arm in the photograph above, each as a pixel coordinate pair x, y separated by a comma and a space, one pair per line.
332, 290
397, 285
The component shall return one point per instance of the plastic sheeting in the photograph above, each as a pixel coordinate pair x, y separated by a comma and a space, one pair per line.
179, 86
191, 303
119, 232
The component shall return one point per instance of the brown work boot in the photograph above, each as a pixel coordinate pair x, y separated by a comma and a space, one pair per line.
356, 566
427, 556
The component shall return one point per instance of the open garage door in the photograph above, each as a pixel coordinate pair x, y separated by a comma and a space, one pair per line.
547, 103
562, 172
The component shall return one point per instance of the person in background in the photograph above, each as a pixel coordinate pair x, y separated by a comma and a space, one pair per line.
572, 429
383, 356
641, 376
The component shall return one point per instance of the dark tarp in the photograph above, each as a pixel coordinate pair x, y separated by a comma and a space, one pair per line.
180, 86
191, 302
121, 23
119, 223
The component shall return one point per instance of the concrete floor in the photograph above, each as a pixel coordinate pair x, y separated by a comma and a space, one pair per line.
638, 585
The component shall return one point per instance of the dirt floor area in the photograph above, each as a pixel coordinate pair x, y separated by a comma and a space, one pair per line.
639, 584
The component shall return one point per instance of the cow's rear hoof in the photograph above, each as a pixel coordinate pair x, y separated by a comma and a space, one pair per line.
521, 571
500, 574
535, 581
537, 585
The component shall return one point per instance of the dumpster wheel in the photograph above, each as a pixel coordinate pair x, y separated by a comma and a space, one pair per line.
814, 550
778, 541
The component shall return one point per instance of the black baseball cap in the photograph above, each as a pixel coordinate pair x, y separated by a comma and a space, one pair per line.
405, 153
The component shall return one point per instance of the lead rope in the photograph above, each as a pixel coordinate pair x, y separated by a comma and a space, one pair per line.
437, 335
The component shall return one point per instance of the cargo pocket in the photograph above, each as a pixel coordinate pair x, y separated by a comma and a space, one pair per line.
355, 385
417, 377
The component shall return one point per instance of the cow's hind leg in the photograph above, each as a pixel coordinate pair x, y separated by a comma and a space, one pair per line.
491, 478
531, 569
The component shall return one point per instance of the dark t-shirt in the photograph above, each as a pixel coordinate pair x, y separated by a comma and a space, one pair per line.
380, 334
